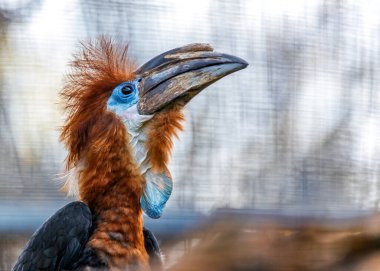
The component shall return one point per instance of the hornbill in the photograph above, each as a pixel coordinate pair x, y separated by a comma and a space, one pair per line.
118, 132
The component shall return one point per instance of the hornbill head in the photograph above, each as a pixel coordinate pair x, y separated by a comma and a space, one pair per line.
147, 101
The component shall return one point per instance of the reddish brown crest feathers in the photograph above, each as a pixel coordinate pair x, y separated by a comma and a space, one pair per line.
95, 72
99, 68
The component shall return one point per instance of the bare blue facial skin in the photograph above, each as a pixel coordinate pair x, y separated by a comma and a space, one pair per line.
123, 96
158, 186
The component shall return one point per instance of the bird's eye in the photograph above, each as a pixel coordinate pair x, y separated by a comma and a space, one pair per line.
126, 90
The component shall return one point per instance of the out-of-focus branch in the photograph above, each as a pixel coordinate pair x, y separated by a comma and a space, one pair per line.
269, 243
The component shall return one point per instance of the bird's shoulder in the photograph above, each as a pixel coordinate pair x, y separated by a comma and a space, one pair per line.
59, 241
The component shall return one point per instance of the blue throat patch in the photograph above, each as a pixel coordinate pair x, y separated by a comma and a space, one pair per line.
156, 193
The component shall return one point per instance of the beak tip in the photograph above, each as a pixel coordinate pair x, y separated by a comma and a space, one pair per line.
242, 62
237, 65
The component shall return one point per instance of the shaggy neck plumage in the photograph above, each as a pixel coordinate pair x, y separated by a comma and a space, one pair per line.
110, 183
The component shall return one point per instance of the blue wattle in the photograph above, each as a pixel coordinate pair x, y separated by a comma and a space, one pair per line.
156, 193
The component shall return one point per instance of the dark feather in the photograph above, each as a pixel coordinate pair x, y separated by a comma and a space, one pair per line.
89, 257
59, 244
59, 241
153, 250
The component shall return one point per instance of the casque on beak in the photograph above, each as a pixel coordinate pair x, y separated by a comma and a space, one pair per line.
180, 74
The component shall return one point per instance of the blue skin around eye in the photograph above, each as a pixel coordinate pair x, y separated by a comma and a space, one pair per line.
118, 101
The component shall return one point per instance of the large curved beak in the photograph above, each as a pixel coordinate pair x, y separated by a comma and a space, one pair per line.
178, 75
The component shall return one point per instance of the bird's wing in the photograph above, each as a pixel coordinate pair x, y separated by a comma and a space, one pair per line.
153, 249
59, 241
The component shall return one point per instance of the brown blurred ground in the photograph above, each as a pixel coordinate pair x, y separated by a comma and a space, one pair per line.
279, 244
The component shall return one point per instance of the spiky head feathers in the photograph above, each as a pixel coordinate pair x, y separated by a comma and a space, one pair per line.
91, 130
96, 70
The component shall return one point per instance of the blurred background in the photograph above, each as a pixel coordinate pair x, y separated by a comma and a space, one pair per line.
297, 132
